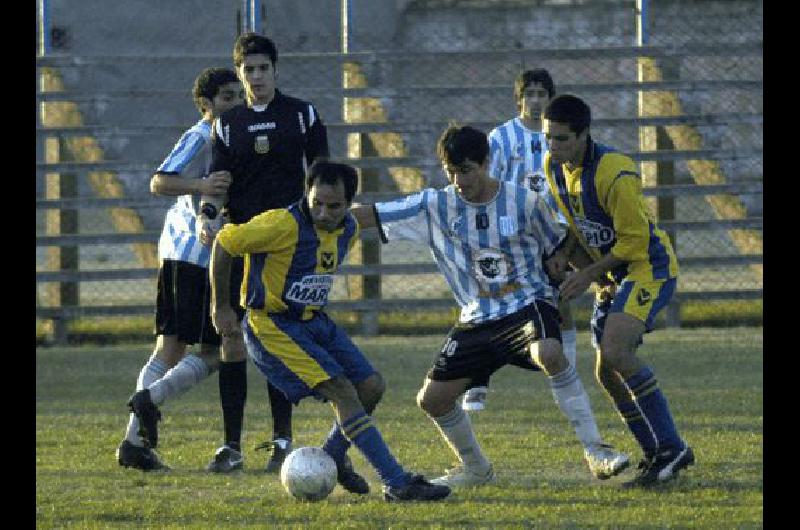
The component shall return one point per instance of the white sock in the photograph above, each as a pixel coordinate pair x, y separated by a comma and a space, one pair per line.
152, 371
569, 339
183, 376
456, 428
571, 397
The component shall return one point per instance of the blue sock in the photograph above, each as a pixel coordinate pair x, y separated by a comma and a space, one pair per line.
654, 408
336, 445
635, 422
361, 432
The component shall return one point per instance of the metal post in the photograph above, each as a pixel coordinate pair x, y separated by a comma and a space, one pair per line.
45, 46
362, 146
246, 15
658, 139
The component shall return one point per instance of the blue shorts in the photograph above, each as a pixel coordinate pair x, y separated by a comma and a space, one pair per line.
297, 355
642, 300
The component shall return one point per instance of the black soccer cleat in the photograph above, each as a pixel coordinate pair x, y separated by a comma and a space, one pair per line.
148, 414
279, 453
142, 458
226, 460
349, 479
661, 467
418, 489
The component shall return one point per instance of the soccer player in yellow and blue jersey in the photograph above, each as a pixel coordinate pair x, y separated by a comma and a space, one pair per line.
619, 244
290, 256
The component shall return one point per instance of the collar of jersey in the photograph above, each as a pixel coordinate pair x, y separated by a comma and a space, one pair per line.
490, 201
262, 108
588, 157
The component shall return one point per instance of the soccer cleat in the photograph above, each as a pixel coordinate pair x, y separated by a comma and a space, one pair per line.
225, 460
148, 415
475, 398
142, 458
280, 448
461, 476
349, 479
662, 467
604, 462
418, 489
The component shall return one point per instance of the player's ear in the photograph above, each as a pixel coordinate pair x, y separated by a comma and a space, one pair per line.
206, 105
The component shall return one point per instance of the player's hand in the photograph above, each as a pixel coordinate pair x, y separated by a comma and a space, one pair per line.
556, 267
216, 183
574, 285
224, 320
207, 233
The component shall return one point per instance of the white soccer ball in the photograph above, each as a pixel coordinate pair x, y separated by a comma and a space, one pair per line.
308, 474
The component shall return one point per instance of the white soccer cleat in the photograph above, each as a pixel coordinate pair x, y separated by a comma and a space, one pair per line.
475, 399
605, 462
462, 476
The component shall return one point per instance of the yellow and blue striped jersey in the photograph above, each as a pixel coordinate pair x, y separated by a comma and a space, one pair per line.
288, 263
603, 203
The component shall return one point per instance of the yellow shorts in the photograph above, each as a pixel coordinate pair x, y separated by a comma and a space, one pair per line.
642, 300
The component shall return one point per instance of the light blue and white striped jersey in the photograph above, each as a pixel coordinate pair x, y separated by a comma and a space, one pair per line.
516, 154
190, 158
490, 254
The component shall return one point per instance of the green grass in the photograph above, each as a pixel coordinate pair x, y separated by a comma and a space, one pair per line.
712, 378
135, 328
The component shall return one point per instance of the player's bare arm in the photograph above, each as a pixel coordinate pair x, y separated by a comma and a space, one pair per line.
364, 214
558, 264
174, 185
575, 284
223, 315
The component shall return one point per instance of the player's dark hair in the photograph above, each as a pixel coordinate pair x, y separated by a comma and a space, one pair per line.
460, 142
208, 83
571, 110
252, 44
328, 172
528, 77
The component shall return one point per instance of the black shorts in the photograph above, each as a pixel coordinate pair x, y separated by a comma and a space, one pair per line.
477, 351
183, 302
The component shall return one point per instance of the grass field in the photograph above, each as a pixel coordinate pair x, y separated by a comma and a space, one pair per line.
712, 378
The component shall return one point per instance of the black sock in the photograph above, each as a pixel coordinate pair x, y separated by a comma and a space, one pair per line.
232, 395
281, 413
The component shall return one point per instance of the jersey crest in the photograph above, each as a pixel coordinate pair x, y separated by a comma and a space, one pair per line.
491, 266
328, 260
262, 144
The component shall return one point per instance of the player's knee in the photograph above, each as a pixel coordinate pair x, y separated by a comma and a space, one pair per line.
169, 350
370, 391
435, 401
550, 356
210, 356
233, 349
428, 402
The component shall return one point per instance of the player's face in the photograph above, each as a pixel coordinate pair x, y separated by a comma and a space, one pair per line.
469, 178
228, 96
328, 205
533, 100
566, 147
257, 73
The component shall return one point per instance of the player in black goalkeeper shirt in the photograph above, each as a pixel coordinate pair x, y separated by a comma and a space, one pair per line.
266, 147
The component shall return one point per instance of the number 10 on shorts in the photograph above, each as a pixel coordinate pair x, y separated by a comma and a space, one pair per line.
450, 347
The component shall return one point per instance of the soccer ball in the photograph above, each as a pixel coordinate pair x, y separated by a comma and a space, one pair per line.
308, 474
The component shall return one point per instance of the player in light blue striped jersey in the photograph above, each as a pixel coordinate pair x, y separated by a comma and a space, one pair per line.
491, 240
516, 151
182, 303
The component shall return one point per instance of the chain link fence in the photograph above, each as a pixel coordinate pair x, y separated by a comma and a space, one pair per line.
687, 106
